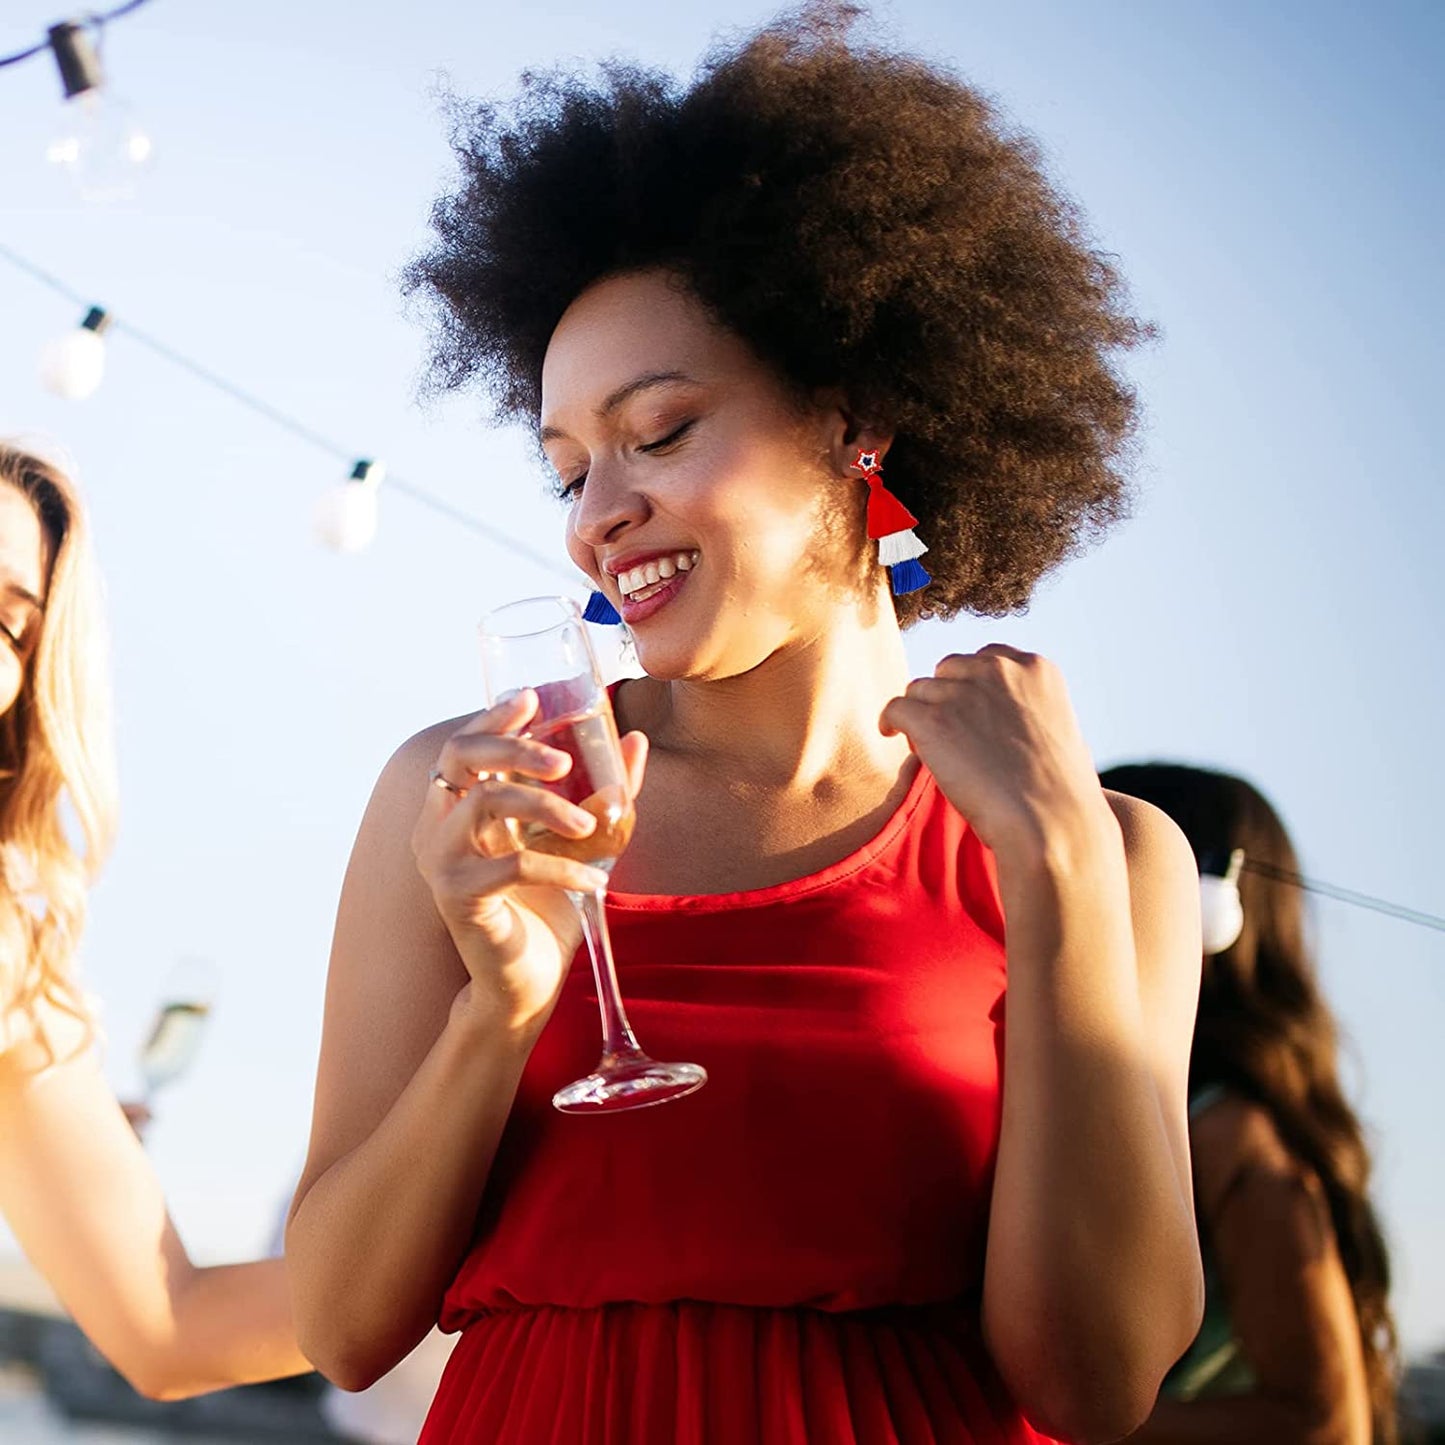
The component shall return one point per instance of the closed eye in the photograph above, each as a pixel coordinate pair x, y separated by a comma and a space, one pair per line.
672, 436
567, 491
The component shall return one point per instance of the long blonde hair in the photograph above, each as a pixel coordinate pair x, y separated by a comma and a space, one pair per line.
57, 772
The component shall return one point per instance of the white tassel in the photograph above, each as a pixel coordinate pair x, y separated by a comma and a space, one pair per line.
899, 547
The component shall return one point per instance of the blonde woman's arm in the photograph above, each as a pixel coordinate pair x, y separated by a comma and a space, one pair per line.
85, 1204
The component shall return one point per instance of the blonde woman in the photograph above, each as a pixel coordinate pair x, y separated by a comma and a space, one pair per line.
75, 1185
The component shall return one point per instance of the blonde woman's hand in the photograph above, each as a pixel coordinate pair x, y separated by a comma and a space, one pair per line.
138, 1115
997, 730
505, 906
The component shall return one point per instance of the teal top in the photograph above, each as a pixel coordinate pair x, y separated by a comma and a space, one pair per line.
1214, 1365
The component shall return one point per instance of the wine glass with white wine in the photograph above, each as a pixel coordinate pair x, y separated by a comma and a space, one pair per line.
541, 643
188, 994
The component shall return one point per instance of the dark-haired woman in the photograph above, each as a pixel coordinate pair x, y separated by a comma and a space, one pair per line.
937, 1189
1297, 1343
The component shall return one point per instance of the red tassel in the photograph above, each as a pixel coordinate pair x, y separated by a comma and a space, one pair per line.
886, 514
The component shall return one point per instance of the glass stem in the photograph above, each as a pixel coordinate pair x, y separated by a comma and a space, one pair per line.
617, 1039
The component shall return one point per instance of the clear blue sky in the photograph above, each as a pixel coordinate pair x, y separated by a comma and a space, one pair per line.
1270, 175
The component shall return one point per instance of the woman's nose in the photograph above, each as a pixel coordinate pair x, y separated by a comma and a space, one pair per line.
608, 506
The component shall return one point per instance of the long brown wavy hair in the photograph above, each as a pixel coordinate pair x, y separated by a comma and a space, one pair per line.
1265, 1033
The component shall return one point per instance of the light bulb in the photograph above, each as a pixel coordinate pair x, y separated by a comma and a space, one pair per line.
346, 516
1221, 913
100, 143
101, 146
72, 365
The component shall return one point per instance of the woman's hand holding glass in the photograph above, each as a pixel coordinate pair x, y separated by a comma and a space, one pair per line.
507, 907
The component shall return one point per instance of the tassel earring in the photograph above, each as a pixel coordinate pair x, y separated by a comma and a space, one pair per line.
891, 525
600, 610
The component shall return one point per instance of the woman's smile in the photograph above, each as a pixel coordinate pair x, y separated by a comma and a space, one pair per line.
649, 584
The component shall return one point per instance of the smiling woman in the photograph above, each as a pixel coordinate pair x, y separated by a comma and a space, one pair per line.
938, 1185
55, 734
75, 1185
753, 492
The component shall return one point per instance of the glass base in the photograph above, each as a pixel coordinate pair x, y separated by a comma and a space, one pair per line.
635, 1082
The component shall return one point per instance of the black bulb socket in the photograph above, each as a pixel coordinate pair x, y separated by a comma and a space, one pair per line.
77, 58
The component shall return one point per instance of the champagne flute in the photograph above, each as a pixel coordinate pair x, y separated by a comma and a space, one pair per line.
180, 1021
542, 644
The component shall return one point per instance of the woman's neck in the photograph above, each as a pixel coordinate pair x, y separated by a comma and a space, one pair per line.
807, 713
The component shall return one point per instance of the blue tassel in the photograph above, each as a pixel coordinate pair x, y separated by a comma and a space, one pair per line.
909, 576
599, 609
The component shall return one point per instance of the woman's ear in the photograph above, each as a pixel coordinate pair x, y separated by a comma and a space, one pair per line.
849, 435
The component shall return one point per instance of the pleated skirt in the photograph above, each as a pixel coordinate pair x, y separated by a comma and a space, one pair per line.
710, 1374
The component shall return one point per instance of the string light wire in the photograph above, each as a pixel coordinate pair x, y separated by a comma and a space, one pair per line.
95, 21
1345, 895
445, 509
286, 421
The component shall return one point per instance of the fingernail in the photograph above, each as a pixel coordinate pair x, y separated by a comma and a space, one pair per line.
599, 879
581, 818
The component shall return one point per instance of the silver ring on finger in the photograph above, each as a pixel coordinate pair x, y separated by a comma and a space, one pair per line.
437, 780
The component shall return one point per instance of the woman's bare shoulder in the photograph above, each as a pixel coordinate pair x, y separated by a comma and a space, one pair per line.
405, 771
1236, 1141
421, 748
38, 1038
1234, 1128
1152, 839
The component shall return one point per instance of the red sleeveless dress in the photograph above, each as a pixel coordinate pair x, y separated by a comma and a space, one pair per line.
795, 1253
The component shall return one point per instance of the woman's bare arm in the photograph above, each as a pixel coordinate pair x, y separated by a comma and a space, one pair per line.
84, 1202
447, 958
412, 1094
1287, 1295
1092, 1282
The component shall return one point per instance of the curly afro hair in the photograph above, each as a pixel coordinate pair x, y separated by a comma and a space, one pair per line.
865, 222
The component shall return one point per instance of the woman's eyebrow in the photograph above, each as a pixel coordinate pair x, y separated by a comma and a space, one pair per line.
625, 392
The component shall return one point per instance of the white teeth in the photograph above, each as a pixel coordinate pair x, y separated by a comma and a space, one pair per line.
649, 574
